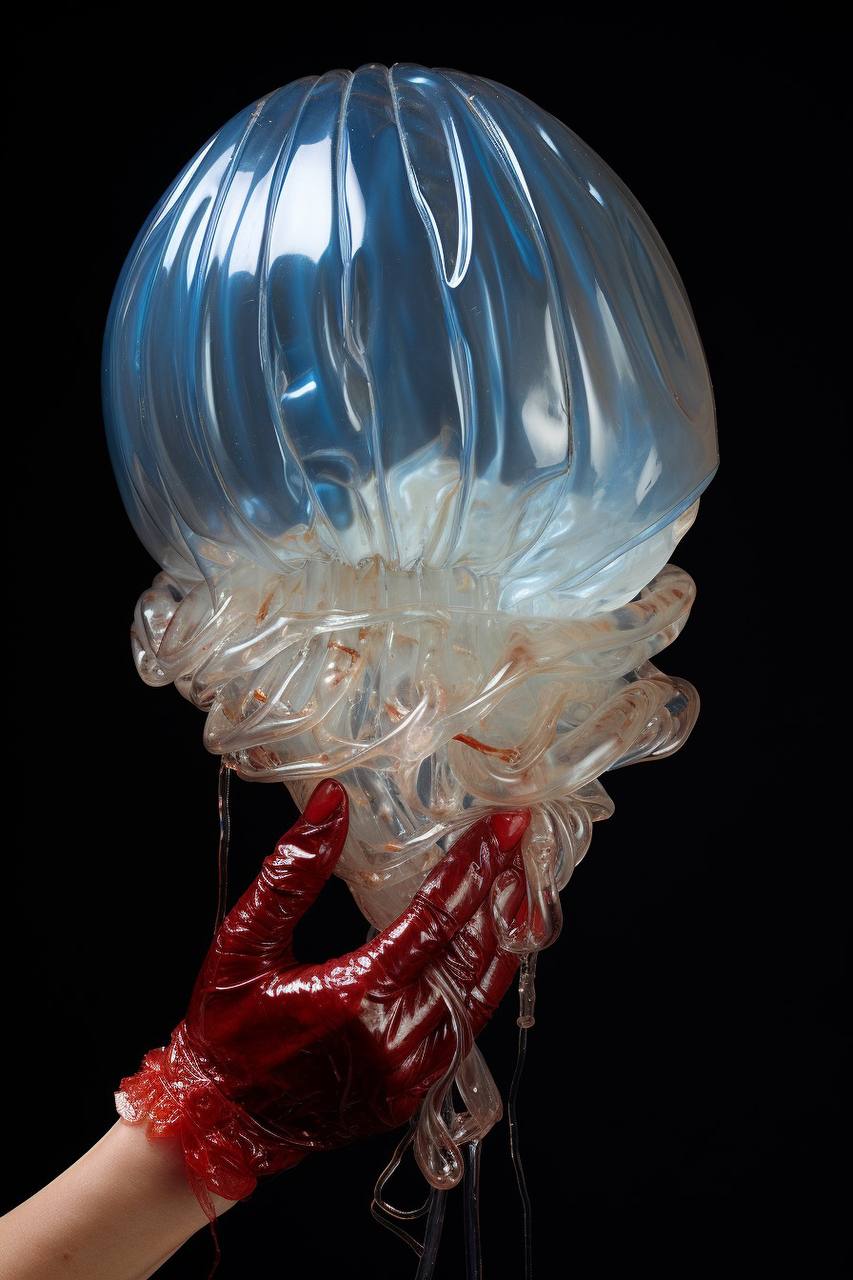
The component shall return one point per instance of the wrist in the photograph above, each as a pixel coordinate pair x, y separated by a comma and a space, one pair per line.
156, 1173
224, 1150
68, 1229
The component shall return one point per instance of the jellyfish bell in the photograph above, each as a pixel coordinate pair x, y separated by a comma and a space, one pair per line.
404, 394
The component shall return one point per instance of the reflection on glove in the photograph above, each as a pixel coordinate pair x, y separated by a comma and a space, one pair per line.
276, 1059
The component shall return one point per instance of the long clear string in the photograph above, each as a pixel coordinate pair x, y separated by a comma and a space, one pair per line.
473, 1255
224, 805
525, 1021
432, 1235
223, 801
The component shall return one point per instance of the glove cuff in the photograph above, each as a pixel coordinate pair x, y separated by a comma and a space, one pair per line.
225, 1150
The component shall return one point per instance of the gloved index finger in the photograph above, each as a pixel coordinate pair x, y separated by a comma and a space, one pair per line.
447, 899
291, 878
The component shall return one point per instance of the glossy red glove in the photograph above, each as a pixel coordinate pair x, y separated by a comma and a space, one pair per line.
275, 1058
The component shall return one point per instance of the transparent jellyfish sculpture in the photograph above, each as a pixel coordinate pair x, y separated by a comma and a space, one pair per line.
405, 396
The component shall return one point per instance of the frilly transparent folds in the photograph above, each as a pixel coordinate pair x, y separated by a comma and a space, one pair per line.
429, 706
405, 396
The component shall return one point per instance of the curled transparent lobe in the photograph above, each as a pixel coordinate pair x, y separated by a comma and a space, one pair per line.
431, 711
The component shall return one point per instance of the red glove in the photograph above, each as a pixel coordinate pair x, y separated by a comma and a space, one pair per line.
275, 1058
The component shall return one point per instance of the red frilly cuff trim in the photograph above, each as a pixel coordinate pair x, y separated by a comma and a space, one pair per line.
225, 1151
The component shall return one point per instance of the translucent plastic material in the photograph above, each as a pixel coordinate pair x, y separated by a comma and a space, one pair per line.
409, 315
405, 396
428, 705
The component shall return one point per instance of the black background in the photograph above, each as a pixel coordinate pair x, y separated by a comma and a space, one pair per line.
681, 1107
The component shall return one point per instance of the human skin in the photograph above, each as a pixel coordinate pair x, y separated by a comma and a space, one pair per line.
116, 1214
269, 1028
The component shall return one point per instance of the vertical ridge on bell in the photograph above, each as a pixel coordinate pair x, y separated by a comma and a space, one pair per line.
358, 404
168, 324
366, 109
629, 389
486, 336
149, 508
196, 388
404, 315
300, 293
397, 305
439, 180
228, 374
547, 421
440, 170
292, 473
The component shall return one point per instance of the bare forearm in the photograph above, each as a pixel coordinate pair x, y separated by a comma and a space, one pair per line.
117, 1214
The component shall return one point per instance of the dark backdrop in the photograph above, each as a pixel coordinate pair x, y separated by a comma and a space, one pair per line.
681, 1107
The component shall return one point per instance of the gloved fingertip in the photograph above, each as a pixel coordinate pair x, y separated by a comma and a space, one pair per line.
326, 798
508, 828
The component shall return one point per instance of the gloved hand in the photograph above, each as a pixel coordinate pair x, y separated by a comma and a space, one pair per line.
276, 1059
